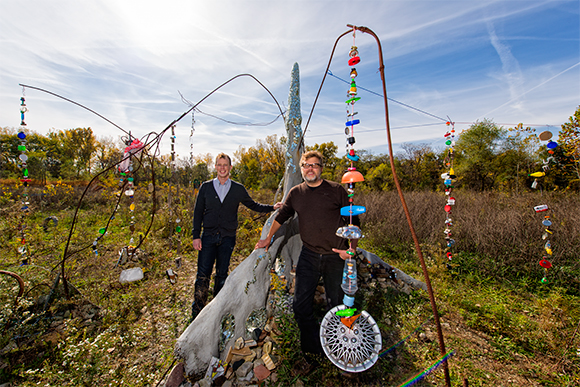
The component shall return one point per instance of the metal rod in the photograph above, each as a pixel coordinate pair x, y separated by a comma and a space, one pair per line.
404, 204
20, 284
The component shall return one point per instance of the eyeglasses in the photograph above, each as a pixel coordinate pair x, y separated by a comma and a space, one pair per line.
308, 165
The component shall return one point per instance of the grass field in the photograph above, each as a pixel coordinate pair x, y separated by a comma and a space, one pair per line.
505, 326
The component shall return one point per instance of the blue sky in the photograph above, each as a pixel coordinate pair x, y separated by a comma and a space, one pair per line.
508, 61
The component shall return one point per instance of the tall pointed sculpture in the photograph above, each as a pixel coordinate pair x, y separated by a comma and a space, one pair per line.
295, 145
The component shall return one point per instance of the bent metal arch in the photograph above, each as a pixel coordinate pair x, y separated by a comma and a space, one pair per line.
352, 29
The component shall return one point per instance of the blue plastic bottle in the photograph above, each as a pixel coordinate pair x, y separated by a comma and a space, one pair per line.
349, 285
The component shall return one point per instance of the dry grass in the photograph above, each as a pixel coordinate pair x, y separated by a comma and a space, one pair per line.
495, 234
504, 334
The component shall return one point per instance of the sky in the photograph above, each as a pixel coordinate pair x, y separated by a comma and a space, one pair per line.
508, 61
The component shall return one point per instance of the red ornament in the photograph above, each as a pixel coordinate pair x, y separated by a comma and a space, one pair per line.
354, 61
545, 264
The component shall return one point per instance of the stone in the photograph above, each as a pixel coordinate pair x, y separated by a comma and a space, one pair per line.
261, 372
204, 382
251, 356
247, 378
176, 376
239, 344
244, 369
268, 362
255, 334
237, 364
267, 348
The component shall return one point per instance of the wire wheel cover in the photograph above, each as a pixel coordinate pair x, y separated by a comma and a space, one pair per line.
352, 350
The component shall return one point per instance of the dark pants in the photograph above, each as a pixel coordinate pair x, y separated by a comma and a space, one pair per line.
310, 268
214, 249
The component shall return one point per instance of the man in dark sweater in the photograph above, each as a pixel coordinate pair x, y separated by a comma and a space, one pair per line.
318, 203
216, 211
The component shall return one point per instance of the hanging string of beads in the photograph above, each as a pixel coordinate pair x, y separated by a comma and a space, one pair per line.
127, 183
352, 176
25, 180
449, 178
546, 222
191, 138
176, 212
550, 146
544, 262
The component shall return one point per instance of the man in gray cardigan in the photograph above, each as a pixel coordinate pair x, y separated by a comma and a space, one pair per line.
216, 212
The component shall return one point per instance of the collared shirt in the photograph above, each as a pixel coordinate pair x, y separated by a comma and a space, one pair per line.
215, 216
222, 189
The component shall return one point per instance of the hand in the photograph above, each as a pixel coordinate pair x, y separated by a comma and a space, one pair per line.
263, 243
344, 254
278, 205
197, 244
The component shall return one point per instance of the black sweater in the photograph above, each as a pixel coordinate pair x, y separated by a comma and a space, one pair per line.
318, 215
217, 217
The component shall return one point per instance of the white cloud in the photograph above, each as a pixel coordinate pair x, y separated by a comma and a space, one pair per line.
128, 60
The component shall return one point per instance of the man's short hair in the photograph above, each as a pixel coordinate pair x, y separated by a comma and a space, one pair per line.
223, 156
312, 153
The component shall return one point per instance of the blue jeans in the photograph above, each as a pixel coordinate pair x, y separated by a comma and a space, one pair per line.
311, 266
214, 249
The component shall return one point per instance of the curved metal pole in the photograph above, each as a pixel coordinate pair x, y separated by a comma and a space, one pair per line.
407, 214
147, 143
20, 284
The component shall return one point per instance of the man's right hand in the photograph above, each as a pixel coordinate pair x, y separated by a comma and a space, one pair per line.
263, 243
197, 244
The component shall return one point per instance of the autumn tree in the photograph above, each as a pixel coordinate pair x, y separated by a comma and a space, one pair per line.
570, 140
332, 164
420, 168
76, 148
261, 165
476, 153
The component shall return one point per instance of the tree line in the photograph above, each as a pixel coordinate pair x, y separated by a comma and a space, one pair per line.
486, 157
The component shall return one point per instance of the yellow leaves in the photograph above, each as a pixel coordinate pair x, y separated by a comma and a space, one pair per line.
58, 189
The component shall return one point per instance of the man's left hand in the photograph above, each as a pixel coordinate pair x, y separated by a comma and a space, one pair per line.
344, 253
278, 205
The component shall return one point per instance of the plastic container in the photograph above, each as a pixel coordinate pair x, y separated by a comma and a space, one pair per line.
131, 275
349, 285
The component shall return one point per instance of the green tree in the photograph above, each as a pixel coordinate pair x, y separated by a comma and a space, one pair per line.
420, 168
380, 178
331, 161
476, 152
570, 140
75, 147
261, 165
107, 153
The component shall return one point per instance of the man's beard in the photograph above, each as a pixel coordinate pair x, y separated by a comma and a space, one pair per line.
311, 179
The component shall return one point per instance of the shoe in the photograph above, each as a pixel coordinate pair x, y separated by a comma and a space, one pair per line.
194, 312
